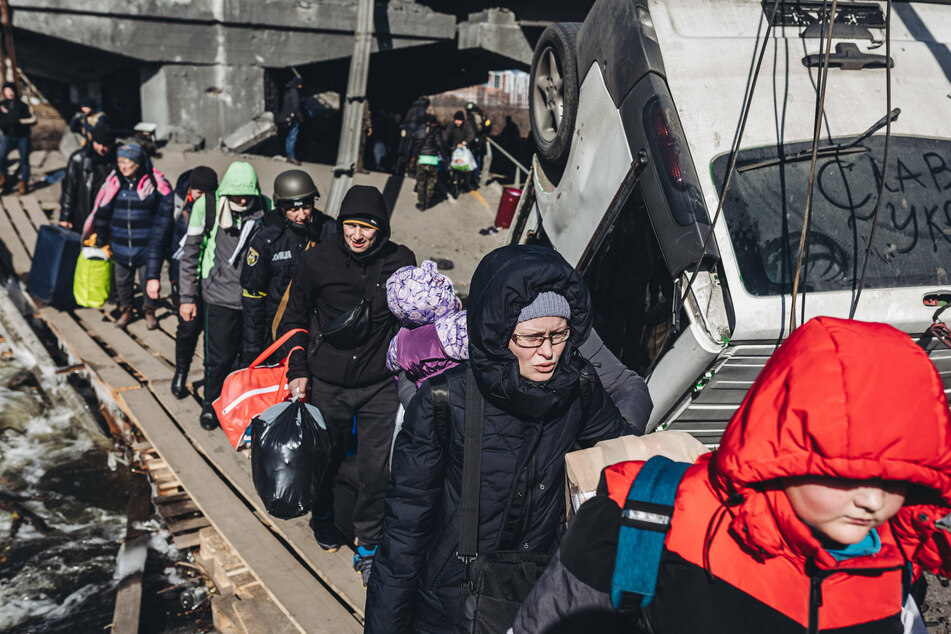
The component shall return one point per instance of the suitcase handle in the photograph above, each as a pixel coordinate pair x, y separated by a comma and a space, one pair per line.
274, 346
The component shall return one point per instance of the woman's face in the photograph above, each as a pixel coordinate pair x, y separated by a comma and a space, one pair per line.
127, 167
359, 238
538, 364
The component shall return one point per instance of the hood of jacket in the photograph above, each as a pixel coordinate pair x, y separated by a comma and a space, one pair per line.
839, 398
240, 179
506, 280
364, 201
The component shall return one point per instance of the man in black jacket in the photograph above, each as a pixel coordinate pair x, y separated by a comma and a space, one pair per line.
291, 117
273, 256
348, 369
16, 117
86, 171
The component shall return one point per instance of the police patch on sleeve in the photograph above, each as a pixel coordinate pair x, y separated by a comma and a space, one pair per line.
252, 257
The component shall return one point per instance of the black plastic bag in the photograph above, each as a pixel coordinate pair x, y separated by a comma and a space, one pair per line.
290, 448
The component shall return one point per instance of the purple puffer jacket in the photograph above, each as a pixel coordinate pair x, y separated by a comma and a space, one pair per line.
431, 349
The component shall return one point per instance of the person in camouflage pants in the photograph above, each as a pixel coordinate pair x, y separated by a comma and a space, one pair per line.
429, 147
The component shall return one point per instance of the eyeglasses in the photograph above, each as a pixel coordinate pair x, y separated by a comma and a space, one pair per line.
535, 341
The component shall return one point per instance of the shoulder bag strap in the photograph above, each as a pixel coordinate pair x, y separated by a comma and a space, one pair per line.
471, 475
645, 521
373, 279
274, 346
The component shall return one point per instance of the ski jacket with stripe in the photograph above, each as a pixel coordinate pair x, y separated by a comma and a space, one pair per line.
215, 252
737, 558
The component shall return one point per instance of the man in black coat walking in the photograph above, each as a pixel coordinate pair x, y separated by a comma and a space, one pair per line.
346, 365
16, 117
86, 171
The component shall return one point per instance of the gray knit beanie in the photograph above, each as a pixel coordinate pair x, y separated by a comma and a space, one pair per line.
547, 304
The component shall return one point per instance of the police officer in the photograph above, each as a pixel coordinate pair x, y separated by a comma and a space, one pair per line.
273, 256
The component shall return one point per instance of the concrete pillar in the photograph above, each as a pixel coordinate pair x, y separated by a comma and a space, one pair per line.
207, 101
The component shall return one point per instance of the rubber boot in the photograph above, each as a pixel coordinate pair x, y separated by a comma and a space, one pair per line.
208, 419
179, 390
151, 322
124, 318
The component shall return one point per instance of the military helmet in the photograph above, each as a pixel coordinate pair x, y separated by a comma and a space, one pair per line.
294, 186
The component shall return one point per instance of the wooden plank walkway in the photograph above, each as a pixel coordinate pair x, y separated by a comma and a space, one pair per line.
304, 600
318, 591
23, 224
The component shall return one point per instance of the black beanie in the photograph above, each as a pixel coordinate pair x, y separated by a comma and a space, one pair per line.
364, 203
103, 134
459, 116
203, 178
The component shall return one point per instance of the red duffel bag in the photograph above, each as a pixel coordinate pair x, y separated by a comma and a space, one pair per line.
248, 392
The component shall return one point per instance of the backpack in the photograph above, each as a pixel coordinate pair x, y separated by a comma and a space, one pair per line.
645, 520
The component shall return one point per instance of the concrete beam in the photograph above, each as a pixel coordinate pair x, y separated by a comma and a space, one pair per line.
274, 33
496, 31
188, 101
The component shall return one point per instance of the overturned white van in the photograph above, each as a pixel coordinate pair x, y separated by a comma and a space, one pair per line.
635, 113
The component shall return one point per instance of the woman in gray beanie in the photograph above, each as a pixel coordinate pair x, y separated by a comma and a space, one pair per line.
528, 313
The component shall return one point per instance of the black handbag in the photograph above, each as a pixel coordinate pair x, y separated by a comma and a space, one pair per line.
351, 328
496, 584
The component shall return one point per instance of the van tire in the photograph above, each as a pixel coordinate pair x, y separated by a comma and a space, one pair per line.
552, 107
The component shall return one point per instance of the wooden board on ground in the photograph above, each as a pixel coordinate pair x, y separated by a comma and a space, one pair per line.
152, 368
34, 211
110, 374
336, 569
23, 225
158, 341
20, 260
301, 596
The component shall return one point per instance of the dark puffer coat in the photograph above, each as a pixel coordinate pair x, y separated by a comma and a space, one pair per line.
528, 429
330, 280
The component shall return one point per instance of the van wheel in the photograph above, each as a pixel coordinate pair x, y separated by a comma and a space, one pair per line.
553, 98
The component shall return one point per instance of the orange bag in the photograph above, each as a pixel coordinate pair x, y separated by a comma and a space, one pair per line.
248, 392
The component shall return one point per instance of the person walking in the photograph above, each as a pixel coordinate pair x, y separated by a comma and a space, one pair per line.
84, 122
171, 230
291, 117
275, 252
16, 118
86, 170
218, 238
124, 217
342, 281
528, 313
459, 134
429, 149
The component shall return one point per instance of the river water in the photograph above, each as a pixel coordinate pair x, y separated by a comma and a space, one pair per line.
57, 573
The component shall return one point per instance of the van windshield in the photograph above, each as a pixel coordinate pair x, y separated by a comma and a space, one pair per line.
764, 208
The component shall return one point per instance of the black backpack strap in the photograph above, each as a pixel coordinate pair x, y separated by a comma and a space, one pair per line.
586, 387
210, 217
442, 413
471, 474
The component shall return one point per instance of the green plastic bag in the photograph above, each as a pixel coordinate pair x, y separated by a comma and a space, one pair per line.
93, 280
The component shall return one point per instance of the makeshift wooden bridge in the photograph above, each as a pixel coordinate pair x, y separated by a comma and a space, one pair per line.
206, 481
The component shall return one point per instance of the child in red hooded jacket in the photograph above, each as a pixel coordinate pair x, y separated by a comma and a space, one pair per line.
822, 504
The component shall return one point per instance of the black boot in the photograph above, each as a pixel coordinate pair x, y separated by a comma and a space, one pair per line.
179, 390
208, 419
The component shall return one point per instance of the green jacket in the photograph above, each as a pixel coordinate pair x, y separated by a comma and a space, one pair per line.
213, 256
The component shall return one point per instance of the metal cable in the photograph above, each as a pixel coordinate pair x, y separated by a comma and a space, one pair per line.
888, 138
812, 168
734, 151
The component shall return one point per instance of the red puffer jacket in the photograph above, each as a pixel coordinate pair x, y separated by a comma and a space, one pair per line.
840, 398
